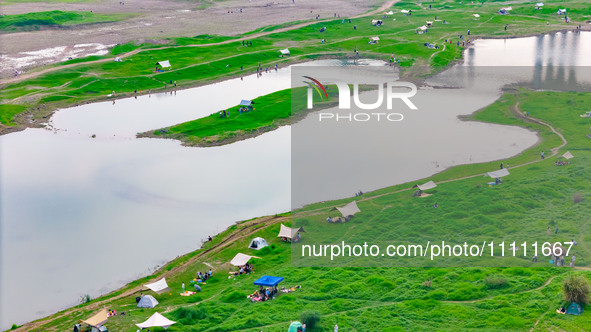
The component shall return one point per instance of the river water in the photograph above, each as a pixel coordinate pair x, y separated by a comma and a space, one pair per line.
82, 215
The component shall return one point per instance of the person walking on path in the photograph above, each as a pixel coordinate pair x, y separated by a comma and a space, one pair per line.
542, 154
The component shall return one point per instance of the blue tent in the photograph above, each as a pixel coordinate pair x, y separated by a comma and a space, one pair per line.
574, 309
268, 281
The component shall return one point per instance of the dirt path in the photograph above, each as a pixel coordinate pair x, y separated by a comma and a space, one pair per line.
34, 74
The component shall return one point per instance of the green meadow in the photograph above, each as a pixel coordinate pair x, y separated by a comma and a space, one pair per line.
53, 19
204, 59
535, 196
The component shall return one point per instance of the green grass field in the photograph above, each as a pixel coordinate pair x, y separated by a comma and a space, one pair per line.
56, 18
532, 198
200, 64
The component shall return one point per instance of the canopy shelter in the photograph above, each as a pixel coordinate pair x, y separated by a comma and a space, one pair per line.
147, 301
568, 155
389, 13
429, 23
97, 320
258, 243
426, 186
539, 4
290, 233
163, 64
159, 286
374, 40
348, 210
156, 320
294, 326
284, 52
377, 22
241, 259
561, 12
498, 174
476, 15
404, 11
422, 28
574, 309
246, 103
505, 10
268, 281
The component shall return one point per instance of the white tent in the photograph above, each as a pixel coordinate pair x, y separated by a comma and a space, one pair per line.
429, 23
476, 15
404, 11
156, 320
147, 301
498, 174
241, 259
164, 64
561, 12
289, 232
374, 39
97, 320
258, 243
507, 9
284, 51
568, 155
422, 28
539, 4
389, 13
427, 186
349, 209
159, 286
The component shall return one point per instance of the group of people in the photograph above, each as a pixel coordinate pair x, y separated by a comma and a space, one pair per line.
245, 269
203, 276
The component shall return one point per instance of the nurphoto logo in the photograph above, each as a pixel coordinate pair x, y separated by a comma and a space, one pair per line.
392, 91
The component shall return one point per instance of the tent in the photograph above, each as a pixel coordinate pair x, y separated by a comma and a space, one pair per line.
268, 281
422, 28
349, 209
476, 15
377, 22
159, 286
164, 64
429, 23
389, 13
147, 301
284, 52
97, 320
374, 40
568, 155
241, 259
156, 320
404, 11
294, 326
561, 12
505, 10
498, 174
574, 309
246, 103
258, 243
426, 186
539, 4
289, 232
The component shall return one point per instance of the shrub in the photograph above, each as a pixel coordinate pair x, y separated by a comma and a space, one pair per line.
577, 198
310, 318
85, 298
495, 282
427, 283
576, 289
234, 296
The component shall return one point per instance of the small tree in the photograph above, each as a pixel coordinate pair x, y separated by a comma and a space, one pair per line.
310, 318
576, 289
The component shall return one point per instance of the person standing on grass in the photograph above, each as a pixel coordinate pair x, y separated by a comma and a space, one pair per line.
501, 165
183, 287
572, 261
556, 232
548, 232
336, 328
542, 154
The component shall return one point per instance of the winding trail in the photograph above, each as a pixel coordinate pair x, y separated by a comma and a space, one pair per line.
34, 74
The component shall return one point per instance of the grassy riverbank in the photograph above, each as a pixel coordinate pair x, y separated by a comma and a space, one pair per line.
53, 19
535, 196
206, 60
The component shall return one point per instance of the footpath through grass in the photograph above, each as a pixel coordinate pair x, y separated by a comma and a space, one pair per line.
532, 198
196, 61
